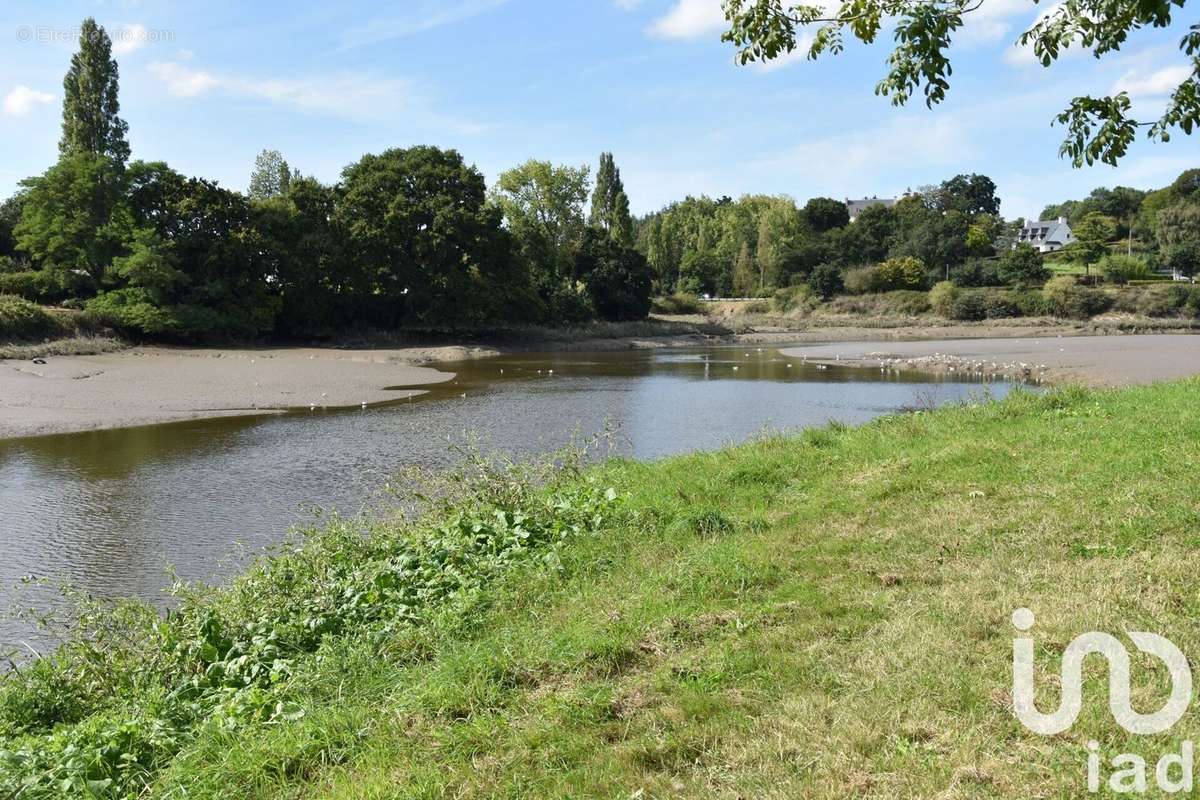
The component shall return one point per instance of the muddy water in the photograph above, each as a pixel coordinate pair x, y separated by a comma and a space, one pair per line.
108, 511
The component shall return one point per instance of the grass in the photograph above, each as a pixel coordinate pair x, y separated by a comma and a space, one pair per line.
822, 615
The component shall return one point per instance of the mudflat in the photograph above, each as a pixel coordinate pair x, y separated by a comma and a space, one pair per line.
151, 385
1091, 360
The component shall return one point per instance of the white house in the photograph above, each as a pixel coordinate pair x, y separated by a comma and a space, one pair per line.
1046, 235
856, 207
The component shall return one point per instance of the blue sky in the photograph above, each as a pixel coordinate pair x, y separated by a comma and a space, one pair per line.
206, 86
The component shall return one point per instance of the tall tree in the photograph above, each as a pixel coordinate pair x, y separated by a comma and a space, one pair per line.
971, 194
610, 204
1098, 128
74, 219
1092, 235
90, 106
271, 175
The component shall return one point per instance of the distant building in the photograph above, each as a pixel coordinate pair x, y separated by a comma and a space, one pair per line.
1046, 235
856, 207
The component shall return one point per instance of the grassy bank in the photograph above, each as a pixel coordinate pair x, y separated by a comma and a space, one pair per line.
824, 615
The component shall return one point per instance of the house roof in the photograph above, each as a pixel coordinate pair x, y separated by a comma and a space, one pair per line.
856, 207
1047, 230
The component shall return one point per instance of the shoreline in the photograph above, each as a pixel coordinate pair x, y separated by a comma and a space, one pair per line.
1094, 361
154, 385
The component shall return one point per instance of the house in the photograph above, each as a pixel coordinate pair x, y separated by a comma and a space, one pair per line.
856, 207
1046, 235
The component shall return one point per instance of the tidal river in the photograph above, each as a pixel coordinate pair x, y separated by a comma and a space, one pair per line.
109, 511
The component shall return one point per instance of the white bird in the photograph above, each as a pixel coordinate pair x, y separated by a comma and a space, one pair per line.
364, 403
735, 369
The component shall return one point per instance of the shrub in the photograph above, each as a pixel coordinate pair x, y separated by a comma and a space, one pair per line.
907, 302
1122, 269
969, 306
21, 319
678, 303
825, 281
793, 298
905, 272
999, 304
1032, 303
1069, 299
976, 273
1192, 306
37, 286
1023, 267
942, 297
1162, 301
862, 280
757, 306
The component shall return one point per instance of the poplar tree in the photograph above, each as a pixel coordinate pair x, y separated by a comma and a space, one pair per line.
90, 106
610, 204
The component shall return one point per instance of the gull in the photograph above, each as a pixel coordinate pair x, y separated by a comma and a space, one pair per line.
364, 403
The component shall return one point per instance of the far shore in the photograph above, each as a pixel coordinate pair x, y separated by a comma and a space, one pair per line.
149, 385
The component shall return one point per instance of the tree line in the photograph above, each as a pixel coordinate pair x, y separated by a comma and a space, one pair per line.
407, 237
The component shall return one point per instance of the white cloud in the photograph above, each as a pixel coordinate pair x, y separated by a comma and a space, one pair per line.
690, 19
129, 38
21, 100
991, 22
804, 43
419, 16
182, 81
1157, 83
348, 95
852, 162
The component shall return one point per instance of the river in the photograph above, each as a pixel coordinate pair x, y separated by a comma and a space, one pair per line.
108, 511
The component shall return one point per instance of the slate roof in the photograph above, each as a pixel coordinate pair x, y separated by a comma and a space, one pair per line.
856, 207
1046, 231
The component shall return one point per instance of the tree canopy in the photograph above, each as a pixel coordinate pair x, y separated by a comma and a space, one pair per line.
91, 121
1098, 128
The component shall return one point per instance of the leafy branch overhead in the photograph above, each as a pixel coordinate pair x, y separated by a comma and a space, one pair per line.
1098, 128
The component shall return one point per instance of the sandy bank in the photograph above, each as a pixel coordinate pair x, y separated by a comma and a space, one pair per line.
150, 385
1093, 360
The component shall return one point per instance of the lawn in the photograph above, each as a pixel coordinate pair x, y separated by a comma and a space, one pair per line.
822, 615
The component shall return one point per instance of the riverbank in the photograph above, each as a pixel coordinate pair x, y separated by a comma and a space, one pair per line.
142, 386
824, 615
1087, 360
148, 385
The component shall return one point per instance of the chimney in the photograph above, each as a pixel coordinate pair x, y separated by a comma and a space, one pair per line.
1062, 220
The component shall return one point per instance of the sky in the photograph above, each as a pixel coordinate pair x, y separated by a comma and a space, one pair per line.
206, 86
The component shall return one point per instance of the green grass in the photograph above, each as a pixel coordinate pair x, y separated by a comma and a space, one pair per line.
820, 615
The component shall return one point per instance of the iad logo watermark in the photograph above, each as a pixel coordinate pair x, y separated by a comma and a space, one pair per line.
1173, 772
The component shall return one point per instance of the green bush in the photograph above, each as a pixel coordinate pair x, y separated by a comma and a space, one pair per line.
678, 303
862, 280
999, 304
1068, 299
21, 319
1032, 303
1192, 306
902, 273
1121, 269
969, 306
977, 272
826, 281
37, 286
942, 297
